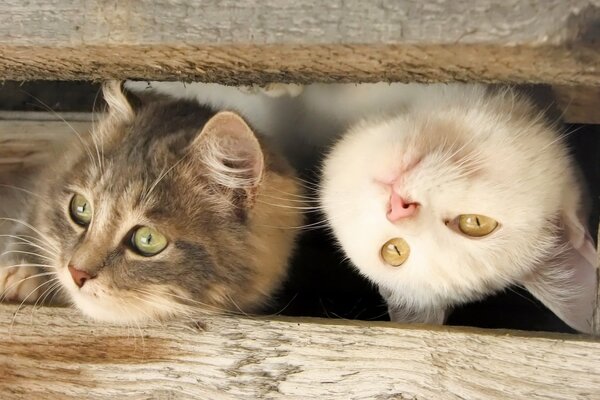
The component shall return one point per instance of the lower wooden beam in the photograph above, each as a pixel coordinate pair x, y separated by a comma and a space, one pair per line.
55, 353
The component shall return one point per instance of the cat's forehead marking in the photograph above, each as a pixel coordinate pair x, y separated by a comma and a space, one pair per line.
102, 213
115, 215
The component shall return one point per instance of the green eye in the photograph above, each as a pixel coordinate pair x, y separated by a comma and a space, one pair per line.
81, 210
148, 241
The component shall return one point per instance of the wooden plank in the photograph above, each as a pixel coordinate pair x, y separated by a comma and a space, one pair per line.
9, 116
29, 139
252, 41
580, 104
55, 353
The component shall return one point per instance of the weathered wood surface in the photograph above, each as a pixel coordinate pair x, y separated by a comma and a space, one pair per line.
254, 41
55, 353
28, 139
579, 104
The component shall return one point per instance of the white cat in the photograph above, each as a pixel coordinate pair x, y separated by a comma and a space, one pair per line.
460, 194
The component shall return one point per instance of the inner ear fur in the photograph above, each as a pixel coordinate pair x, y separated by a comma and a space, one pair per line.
232, 153
119, 105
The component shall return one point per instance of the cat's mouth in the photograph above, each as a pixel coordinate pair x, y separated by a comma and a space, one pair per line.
101, 302
81, 283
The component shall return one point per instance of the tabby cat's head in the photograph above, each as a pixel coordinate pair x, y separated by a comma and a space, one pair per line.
162, 212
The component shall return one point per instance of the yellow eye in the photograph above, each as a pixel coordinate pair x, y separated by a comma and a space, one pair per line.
476, 225
395, 252
80, 210
148, 241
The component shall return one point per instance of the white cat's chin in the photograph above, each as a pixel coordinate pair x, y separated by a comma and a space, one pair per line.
98, 303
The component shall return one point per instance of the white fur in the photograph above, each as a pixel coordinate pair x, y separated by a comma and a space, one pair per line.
120, 109
256, 107
299, 120
479, 155
100, 301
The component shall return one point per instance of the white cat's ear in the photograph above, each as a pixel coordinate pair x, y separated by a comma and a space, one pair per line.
568, 285
231, 151
402, 313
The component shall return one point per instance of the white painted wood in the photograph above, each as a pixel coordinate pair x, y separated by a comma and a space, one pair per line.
55, 353
247, 41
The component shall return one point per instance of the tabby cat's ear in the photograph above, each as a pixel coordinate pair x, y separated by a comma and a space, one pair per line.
230, 150
119, 105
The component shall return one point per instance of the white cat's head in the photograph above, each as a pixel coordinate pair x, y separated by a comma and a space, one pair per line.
481, 192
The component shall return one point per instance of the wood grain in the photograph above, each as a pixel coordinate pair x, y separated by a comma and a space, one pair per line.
252, 41
29, 139
55, 353
580, 104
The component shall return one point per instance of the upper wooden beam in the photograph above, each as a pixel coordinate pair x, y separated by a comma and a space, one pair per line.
55, 353
252, 41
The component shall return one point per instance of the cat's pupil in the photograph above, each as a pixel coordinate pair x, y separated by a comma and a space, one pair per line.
81, 208
478, 223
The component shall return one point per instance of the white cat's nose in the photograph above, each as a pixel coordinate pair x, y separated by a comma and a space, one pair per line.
399, 208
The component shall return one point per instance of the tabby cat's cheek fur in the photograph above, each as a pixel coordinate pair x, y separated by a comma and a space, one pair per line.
198, 185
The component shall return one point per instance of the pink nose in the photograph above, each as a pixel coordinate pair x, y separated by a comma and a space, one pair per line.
79, 276
399, 208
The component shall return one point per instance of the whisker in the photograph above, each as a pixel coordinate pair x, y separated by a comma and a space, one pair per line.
285, 307
30, 227
17, 283
28, 265
205, 307
311, 226
302, 200
26, 252
43, 297
33, 238
24, 241
25, 191
46, 293
59, 289
562, 137
25, 299
48, 108
161, 177
307, 208
242, 312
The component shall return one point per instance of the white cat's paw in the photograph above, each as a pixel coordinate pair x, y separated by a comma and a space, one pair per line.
21, 284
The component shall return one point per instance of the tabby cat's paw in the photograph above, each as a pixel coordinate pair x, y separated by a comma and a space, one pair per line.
20, 284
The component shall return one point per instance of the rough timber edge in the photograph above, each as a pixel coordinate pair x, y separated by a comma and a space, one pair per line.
55, 352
